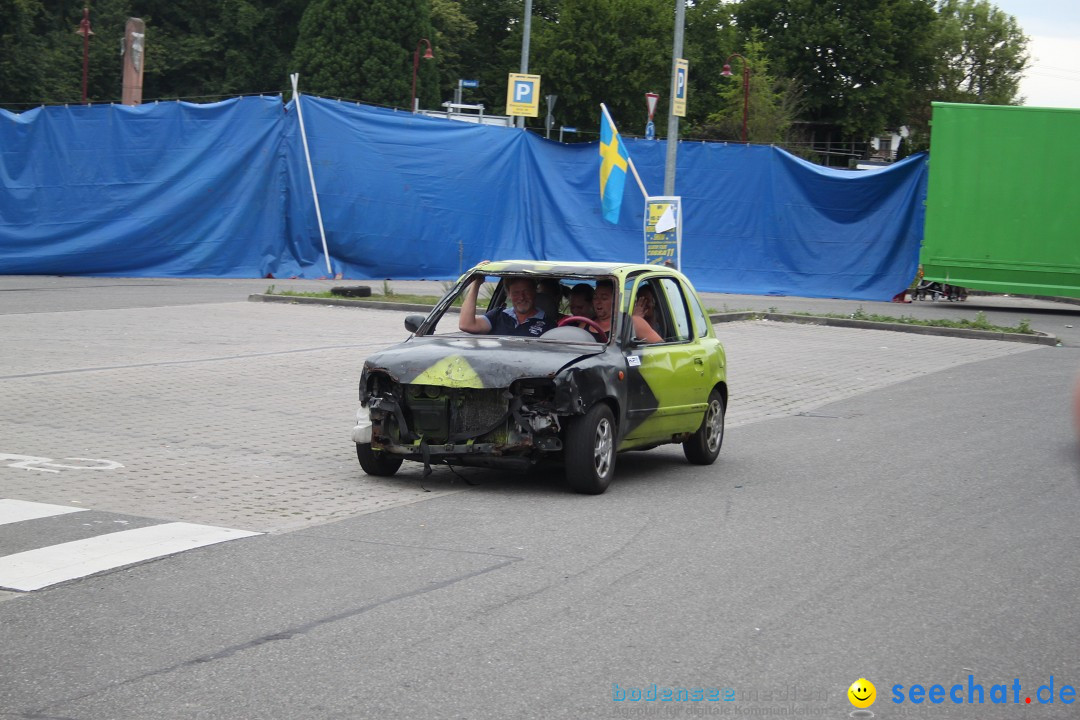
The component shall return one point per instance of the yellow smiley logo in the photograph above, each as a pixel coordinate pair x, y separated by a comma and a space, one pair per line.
862, 693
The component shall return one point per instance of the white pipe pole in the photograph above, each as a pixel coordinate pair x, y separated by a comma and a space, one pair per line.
295, 77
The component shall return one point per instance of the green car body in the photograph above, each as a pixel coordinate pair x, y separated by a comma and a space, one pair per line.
445, 396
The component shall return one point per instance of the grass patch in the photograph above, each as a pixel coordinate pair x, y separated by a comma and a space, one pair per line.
979, 323
394, 297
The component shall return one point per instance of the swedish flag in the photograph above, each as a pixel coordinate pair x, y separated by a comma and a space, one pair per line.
613, 163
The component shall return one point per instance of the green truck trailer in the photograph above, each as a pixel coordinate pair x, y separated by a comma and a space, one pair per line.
1003, 200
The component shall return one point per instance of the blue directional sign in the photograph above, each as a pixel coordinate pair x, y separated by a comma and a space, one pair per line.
470, 83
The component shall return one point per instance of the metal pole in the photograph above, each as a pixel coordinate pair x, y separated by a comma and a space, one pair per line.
746, 96
295, 77
526, 31
415, 67
673, 119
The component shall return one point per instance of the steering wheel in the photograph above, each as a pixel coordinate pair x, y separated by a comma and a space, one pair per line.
588, 321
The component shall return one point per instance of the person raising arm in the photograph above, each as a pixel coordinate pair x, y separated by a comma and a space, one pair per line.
523, 318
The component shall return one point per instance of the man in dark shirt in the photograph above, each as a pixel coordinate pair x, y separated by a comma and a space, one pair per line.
522, 318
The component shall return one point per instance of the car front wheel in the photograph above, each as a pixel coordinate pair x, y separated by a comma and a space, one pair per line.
590, 451
704, 445
376, 462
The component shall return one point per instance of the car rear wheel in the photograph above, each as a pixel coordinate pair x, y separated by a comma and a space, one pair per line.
704, 445
590, 451
376, 462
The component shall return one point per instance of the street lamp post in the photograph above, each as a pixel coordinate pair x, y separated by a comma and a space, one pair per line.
86, 32
726, 72
416, 66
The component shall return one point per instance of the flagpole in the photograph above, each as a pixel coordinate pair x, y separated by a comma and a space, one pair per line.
630, 160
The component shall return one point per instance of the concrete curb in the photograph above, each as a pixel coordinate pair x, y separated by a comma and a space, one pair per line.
1036, 339
344, 302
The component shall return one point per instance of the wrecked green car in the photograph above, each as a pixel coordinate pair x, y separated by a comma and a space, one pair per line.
645, 370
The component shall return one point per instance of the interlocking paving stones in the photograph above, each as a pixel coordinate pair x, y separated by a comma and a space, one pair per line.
238, 414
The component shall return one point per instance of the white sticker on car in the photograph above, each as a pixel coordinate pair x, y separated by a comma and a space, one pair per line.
633, 360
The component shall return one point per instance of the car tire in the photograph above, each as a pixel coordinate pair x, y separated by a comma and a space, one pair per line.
590, 451
704, 445
376, 462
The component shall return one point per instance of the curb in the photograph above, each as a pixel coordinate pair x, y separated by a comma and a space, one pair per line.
1036, 339
342, 302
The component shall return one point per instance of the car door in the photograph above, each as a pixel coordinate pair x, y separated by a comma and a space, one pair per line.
666, 379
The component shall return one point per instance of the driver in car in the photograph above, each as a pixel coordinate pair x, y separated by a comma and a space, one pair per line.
603, 297
523, 318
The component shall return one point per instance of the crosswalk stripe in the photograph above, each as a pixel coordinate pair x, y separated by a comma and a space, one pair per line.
35, 569
12, 511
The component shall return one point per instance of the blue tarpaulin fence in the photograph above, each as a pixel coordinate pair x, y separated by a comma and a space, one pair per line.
177, 189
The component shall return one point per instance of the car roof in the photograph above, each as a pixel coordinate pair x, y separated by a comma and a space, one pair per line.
556, 267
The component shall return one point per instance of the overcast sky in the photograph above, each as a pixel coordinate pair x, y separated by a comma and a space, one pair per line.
1053, 27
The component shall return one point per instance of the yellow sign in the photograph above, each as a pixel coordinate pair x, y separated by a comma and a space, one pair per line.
682, 72
523, 95
663, 231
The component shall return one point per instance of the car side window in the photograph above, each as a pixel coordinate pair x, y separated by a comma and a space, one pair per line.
679, 316
701, 322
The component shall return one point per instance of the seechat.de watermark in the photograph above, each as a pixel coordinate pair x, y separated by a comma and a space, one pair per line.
979, 693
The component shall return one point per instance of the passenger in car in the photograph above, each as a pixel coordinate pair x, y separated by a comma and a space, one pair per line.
581, 296
645, 307
603, 298
523, 318
549, 298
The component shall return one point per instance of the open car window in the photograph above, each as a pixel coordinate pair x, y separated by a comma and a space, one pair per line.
555, 295
679, 330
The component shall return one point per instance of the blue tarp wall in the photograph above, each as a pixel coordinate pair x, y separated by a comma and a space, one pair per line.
221, 190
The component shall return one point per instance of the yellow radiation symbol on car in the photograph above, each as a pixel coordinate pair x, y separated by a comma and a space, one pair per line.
862, 693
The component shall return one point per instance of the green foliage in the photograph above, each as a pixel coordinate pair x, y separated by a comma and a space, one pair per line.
710, 36
771, 103
859, 62
610, 51
861, 66
980, 54
364, 50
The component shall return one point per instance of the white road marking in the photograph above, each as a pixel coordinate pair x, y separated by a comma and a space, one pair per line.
35, 569
12, 511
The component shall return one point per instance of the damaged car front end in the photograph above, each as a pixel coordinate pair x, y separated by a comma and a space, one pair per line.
489, 402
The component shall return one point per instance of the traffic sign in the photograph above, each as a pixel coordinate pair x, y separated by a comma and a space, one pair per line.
682, 69
470, 83
523, 95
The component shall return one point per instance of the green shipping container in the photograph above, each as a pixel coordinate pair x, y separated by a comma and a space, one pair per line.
1003, 201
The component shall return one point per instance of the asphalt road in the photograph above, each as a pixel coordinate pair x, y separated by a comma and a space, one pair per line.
907, 516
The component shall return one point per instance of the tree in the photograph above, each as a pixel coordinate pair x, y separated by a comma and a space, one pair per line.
363, 50
859, 62
20, 39
982, 53
771, 103
709, 35
610, 51
454, 31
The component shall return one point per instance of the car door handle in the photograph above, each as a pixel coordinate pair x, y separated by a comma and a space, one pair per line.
699, 361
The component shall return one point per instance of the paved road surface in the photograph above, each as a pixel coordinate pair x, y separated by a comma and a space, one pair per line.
888, 506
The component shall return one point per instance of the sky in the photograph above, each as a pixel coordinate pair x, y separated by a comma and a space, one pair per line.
1053, 30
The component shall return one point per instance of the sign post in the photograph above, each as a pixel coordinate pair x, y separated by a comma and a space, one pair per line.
663, 231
